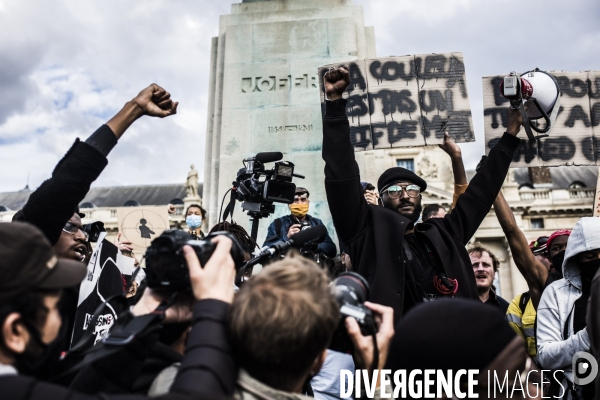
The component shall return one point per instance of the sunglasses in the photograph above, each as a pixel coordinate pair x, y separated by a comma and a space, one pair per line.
72, 229
395, 191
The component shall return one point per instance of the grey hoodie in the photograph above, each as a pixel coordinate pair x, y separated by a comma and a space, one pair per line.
558, 302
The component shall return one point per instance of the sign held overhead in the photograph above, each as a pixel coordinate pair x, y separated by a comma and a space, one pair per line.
406, 101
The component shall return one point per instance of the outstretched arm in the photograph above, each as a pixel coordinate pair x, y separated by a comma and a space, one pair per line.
473, 205
534, 272
458, 168
55, 201
342, 177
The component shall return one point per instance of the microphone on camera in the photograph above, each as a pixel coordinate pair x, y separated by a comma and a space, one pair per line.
268, 157
296, 241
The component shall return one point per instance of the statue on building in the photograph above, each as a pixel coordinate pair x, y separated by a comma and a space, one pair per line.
427, 169
191, 186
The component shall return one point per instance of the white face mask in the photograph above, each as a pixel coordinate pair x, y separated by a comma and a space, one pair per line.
193, 221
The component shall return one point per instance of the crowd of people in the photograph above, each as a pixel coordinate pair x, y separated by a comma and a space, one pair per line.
278, 336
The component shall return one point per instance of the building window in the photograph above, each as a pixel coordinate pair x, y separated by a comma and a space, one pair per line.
131, 203
406, 163
537, 223
577, 185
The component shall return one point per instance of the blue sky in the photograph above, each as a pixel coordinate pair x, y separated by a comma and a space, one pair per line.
66, 66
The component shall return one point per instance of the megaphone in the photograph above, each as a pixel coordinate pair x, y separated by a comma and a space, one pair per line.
537, 94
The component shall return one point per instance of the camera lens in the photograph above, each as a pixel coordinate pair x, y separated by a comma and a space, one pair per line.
350, 288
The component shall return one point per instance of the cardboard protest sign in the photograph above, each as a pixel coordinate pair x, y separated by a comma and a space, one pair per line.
104, 279
572, 140
406, 101
141, 225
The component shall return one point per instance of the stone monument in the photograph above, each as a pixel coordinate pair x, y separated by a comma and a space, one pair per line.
264, 93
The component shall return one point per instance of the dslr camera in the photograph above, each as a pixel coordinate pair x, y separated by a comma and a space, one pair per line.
351, 290
258, 188
166, 267
94, 230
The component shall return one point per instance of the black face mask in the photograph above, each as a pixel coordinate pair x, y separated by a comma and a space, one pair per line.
557, 260
40, 360
589, 269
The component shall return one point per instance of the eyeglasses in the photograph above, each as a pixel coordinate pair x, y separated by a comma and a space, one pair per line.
395, 191
72, 229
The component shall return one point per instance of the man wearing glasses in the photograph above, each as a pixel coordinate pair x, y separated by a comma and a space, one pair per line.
405, 264
283, 228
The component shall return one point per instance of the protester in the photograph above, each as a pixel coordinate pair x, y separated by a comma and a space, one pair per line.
283, 228
557, 245
370, 193
194, 216
405, 264
53, 207
561, 316
485, 265
433, 211
463, 334
31, 279
593, 322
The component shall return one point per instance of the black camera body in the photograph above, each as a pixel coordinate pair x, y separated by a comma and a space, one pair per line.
166, 267
258, 188
93, 230
351, 290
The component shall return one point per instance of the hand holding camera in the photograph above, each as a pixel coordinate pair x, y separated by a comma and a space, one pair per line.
293, 230
215, 280
363, 345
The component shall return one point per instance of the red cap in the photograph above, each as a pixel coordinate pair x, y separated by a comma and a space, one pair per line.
560, 232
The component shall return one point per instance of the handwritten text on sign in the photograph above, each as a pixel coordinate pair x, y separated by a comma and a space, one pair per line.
573, 138
406, 101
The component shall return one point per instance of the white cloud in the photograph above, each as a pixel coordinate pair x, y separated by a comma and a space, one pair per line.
68, 65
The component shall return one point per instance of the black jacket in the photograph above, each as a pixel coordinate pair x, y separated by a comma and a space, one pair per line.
208, 367
54, 202
373, 235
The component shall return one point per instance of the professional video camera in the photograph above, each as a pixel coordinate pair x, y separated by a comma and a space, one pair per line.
537, 94
94, 230
351, 290
258, 188
166, 267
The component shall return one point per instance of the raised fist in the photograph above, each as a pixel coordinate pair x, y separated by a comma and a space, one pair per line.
336, 81
155, 102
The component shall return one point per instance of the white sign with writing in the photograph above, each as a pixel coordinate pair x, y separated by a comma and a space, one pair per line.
406, 101
572, 140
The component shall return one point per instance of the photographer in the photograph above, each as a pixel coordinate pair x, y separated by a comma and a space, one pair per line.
31, 283
405, 264
278, 354
283, 228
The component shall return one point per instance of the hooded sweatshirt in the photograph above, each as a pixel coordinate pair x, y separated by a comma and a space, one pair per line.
556, 311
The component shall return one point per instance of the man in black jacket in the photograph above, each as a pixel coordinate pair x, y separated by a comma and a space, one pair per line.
405, 264
53, 207
31, 280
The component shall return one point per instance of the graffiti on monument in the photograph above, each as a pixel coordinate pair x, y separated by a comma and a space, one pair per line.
406, 101
572, 140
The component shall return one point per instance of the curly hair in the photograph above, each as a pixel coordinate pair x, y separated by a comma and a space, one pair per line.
240, 234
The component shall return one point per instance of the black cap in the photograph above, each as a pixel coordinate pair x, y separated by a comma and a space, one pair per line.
301, 190
27, 262
399, 174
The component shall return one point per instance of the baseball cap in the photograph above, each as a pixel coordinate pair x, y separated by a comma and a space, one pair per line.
27, 262
301, 190
538, 246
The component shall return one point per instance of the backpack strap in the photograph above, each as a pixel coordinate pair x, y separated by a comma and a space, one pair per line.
525, 297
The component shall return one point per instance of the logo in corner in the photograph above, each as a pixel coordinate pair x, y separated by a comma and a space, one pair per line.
585, 368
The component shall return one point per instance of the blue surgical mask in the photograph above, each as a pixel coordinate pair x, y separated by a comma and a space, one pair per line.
193, 221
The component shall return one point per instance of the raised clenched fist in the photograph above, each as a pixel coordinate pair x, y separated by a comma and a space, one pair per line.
336, 81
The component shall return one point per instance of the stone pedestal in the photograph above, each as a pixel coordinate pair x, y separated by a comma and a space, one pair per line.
264, 91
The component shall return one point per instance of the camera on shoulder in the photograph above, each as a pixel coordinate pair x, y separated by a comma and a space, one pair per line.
166, 267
